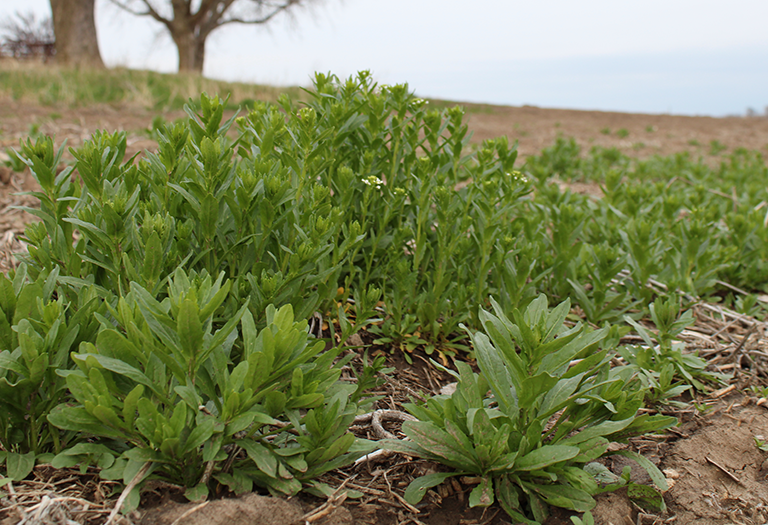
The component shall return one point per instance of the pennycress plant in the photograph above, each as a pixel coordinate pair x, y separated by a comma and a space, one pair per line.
662, 362
190, 403
37, 331
554, 407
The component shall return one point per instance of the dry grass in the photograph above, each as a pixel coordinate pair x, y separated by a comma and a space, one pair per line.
49, 85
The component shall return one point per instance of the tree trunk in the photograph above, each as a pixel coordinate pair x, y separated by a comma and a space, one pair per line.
191, 52
74, 25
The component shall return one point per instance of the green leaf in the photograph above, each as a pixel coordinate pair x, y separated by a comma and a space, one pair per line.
138, 456
108, 417
261, 455
223, 333
103, 239
558, 395
197, 493
605, 428
190, 329
409, 448
7, 362
509, 499
200, 434
84, 452
646, 497
646, 424
653, 471
120, 367
545, 456
212, 447
482, 495
642, 331
26, 303
578, 478
18, 465
600, 473
535, 386
274, 403
440, 444
190, 396
306, 401
237, 482
498, 376
563, 496
153, 260
558, 362
79, 420
418, 487
591, 449
239, 423
209, 216
130, 404
339, 447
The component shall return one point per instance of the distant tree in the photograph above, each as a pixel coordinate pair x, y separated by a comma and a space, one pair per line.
27, 37
190, 27
74, 25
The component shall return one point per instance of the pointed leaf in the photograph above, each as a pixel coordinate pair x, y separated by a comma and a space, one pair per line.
440, 444
190, 329
261, 455
418, 487
605, 428
153, 260
482, 495
653, 471
545, 456
563, 496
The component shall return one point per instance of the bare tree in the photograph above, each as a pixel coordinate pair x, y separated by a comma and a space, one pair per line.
189, 28
27, 37
75, 27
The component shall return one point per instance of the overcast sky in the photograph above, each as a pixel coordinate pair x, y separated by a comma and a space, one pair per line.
658, 56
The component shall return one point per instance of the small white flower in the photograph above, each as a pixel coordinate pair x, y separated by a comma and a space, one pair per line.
410, 247
519, 177
373, 181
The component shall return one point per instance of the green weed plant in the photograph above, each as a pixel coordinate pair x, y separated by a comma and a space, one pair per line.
554, 407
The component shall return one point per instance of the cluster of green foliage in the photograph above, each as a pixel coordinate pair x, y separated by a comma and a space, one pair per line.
155, 307
555, 405
162, 305
682, 222
697, 229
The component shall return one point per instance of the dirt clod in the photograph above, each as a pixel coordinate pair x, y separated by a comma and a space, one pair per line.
614, 508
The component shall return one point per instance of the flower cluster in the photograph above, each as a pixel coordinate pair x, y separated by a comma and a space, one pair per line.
372, 180
519, 177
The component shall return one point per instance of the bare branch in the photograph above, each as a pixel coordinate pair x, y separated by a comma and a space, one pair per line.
216, 9
149, 12
277, 9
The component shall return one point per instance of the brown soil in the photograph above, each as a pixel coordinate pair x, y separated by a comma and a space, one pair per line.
717, 473
646, 135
